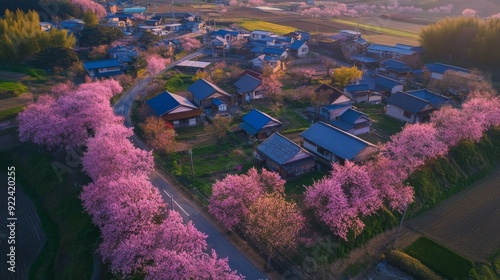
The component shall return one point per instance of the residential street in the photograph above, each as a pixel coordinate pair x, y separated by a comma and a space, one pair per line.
216, 239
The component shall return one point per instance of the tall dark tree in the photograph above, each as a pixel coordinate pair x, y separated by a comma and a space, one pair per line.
56, 57
99, 35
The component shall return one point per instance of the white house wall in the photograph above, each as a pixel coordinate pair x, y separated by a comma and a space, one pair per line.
397, 113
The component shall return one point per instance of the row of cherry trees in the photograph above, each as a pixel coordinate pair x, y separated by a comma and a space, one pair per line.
139, 235
352, 191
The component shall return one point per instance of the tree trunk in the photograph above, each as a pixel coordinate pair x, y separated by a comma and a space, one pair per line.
268, 263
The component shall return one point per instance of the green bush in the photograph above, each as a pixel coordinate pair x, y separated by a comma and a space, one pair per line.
411, 265
440, 259
8, 89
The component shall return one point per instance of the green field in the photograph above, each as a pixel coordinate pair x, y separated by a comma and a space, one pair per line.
268, 26
440, 259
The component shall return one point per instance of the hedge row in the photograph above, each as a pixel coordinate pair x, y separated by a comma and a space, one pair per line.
411, 265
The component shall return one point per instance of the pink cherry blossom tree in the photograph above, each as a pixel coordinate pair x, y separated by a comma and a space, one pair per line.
388, 177
89, 5
469, 13
445, 9
272, 86
331, 206
190, 44
156, 64
71, 118
275, 223
232, 196
414, 145
342, 197
110, 153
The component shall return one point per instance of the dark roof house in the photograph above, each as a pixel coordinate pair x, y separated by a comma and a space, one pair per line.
259, 124
204, 91
434, 99
387, 85
249, 86
353, 121
333, 144
285, 157
175, 109
408, 108
103, 68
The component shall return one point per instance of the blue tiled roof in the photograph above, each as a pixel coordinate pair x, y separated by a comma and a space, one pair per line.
332, 107
336, 141
166, 102
348, 119
355, 88
296, 45
90, 65
109, 74
247, 83
385, 48
435, 99
407, 102
408, 47
364, 59
440, 68
223, 33
386, 83
256, 120
202, 89
396, 65
284, 39
304, 34
274, 51
279, 149
257, 49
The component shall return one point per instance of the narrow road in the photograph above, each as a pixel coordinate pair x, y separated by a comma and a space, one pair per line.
215, 240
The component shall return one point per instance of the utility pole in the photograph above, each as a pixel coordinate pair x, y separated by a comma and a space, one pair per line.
399, 229
190, 152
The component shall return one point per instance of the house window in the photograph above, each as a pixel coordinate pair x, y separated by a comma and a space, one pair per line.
304, 50
407, 114
192, 121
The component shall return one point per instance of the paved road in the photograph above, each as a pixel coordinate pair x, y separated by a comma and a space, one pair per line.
216, 240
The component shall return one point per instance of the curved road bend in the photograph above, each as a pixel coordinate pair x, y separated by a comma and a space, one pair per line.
215, 240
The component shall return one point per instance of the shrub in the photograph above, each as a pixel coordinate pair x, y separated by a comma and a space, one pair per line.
411, 265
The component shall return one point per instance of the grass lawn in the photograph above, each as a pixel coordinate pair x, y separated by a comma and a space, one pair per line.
178, 82
440, 259
10, 113
210, 163
268, 26
383, 125
296, 185
71, 236
8, 89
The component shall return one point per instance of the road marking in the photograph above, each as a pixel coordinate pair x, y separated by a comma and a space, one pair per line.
180, 207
